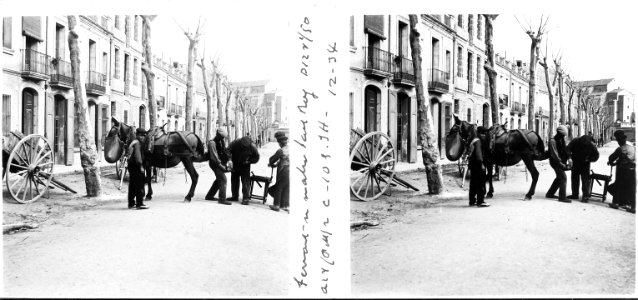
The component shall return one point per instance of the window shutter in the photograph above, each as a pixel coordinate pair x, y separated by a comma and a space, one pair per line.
374, 24
32, 26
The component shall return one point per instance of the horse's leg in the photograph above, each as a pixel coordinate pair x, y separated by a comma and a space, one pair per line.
490, 174
149, 194
190, 168
529, 163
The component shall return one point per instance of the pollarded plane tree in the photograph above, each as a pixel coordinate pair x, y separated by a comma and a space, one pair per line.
193, 41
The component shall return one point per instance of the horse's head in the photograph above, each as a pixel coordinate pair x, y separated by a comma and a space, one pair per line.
456, 140
116, 140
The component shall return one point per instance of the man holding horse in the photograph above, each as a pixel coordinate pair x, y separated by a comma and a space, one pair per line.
218, 158
477, 168
136, 172
559, 160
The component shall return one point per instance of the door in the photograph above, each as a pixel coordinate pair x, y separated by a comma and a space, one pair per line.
372, 98
59, 129
403, 127
29, 97
436, 120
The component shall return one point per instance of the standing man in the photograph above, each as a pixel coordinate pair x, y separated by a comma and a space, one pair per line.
243, 153
624, 158
477, 170
282, 161
217, 161
583, 151
136, 172
559, 161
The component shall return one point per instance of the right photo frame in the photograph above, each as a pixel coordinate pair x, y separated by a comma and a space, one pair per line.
491, 155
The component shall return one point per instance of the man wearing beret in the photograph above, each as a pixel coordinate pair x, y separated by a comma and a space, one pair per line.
583, 151
281, 189
243, 153
624, 158
136, 172
217, 161
559, 160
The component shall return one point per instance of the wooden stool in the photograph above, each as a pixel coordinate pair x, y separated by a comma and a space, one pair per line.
259, 180
598, 177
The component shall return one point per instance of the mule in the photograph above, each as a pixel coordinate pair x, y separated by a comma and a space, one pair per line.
502, 148
161, 149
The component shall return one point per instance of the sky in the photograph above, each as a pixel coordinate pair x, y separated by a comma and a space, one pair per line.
593, 45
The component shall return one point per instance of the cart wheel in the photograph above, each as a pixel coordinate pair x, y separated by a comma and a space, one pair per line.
31, 169
376, 158
462, 164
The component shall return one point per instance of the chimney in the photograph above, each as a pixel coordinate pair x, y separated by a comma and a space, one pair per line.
175, 64
519, 63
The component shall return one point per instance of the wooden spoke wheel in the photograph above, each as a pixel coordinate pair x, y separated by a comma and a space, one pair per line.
120, 167
462, 164
373, 159
30, 169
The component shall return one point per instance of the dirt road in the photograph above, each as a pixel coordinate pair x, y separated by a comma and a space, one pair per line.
427, 246
99, 248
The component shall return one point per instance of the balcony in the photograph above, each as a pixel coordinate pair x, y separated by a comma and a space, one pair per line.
171, 109
61, 75
403, 71
377, 62
95, 83
523, 109
179, 111
438, 81
34, 65
519, 108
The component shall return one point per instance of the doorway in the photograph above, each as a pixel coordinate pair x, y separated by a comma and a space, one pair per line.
435, 106
372, 95
59, 129
404, 141
29, 102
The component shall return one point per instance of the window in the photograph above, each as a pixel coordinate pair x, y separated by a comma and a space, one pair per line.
351, 31
469, 115
117, 22
459, 71
448, 60
470, 24
136, 28
117, 63
113, 105
105, 63
479, 26
460, 20
6, 114
6, 32
135, 71
59, 41
479, 70
456, 106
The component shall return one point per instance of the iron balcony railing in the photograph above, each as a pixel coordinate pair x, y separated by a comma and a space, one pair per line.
438, 80
95, 82
34, 62
377, 59
403, 69
60, 73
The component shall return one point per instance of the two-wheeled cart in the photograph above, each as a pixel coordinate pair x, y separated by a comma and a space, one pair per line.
27, 163
372, 161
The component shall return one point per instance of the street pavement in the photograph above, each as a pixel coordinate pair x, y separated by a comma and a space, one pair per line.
88, 247
427, 246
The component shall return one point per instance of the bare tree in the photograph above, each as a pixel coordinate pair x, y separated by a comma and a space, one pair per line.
561, 100
550, 92
429, 147
536, 37
88, 150
209, 96
147, 70
489, 66
571, 92
229, 93
220, 106
193, 40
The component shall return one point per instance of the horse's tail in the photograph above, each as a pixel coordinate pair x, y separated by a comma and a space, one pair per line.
540, 147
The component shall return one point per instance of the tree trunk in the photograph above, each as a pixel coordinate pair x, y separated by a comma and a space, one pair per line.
88, 151
192, 53
220, 107
238, 121
229, 93
551, 98
430, 149
489, 66
147, 69
209, 100
561, 100
532, 81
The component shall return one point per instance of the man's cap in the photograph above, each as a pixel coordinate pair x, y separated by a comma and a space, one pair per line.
222, 131
562, 129
281, 136
620, 134
140, 131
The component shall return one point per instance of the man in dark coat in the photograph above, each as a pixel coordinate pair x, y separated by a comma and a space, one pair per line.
583, 151
560, 161
136, 172
477, 170
217, 161
243, 153
624, 158
281, 159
